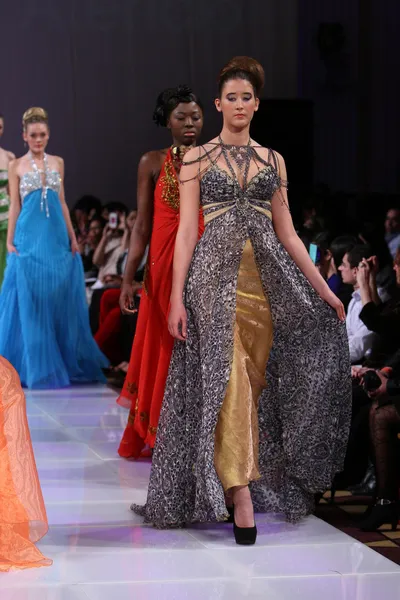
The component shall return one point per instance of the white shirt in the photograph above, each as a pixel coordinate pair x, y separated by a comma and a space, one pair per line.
360, 337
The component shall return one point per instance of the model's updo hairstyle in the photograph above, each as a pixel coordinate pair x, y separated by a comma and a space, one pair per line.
34, 115
243, 67
169, 99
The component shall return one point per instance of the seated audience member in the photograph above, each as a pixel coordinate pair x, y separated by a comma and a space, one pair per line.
338, 247
82, 213
115, 346
374, 237
382, 319
111, 275
331, 254
113, 243
113, 207
384, 420
392, 228
360, 337
311, 222
325, 261
88, 245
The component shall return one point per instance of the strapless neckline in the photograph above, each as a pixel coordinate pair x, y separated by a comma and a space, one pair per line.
37, 172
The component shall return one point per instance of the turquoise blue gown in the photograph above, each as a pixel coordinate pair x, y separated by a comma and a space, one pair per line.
44, 322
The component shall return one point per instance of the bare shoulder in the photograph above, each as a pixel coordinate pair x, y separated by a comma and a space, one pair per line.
280, 164
201, 151
151, 162
55, 160
270, 155
14, 165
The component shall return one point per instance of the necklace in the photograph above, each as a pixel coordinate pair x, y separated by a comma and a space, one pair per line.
43, 200
240, 155
178, 154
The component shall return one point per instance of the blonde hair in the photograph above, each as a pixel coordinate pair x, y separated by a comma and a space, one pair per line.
34, 115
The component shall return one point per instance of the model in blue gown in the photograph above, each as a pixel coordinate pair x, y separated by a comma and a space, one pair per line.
44, 323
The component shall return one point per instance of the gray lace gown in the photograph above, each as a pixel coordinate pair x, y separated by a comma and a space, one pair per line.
302, 408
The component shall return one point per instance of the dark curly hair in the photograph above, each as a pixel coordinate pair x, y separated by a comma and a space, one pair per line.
169, 99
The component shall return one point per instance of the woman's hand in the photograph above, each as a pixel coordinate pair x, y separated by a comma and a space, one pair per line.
127, 297
74, 247
122, 222
107, 232
373, 263
382, 389
358, 372
11, 249
336, 304
177, 321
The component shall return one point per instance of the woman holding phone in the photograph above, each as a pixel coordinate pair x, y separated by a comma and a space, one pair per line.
44, 323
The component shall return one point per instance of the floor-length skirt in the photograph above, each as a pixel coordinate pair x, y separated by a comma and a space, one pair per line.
23, 519
304, 399
44, 321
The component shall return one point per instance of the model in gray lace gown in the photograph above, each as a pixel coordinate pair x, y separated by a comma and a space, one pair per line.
259, 393
303, 410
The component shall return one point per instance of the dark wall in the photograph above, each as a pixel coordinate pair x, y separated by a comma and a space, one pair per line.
98, 65
356, 93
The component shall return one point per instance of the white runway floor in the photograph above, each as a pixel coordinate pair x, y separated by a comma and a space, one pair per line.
101, 551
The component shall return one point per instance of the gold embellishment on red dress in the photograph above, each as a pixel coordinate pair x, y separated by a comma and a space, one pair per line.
144, 416
145, 275
131, 387
152, 430
170, 185
137, 406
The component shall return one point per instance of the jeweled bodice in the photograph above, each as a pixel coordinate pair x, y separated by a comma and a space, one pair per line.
32, 181
220, 192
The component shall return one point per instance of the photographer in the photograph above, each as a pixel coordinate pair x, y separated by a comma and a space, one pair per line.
114, 241
382, 319
383, 387
360, 337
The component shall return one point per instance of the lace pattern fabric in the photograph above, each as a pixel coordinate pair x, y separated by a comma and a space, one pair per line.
303, 412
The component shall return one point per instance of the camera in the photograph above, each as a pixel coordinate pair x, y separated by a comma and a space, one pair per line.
371, 381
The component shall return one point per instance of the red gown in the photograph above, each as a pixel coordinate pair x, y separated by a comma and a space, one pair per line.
144, 385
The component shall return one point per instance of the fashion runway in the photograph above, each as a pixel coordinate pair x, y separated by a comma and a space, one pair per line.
102, 551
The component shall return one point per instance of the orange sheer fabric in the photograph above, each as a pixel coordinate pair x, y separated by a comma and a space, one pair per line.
23, 519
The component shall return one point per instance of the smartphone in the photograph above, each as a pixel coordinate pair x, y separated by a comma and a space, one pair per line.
113, 220
315, 253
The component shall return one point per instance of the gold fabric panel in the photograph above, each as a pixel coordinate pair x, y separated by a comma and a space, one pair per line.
236, 436
210, 216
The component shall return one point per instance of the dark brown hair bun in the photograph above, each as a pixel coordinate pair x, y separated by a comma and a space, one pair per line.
243, 67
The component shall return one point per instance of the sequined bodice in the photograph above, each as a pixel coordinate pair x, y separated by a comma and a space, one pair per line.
220, 192
32, 181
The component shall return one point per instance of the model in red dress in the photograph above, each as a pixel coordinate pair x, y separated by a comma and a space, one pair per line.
157, 220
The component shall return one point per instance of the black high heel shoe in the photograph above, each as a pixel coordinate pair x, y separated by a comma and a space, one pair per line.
244, 536
383, 512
